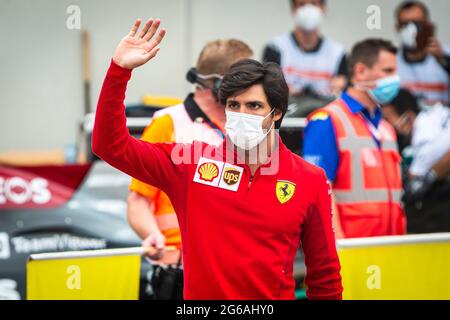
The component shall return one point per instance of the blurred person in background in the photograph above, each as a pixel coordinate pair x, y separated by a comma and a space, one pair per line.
202, 118
401, 113
424, 68
423, 62
427, 192
311, 63
358, 149
424, 138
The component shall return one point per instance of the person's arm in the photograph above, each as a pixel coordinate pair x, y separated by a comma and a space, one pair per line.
320, 144
442, 55
418, 187
140, 214
111, 141
323, 278
339, 81
442, 167
323, 152
338, 231
143, 198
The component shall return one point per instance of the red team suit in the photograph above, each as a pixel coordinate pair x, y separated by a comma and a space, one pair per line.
240, 234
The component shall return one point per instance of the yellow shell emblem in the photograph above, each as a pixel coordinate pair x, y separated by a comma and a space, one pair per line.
285, 191
208, 171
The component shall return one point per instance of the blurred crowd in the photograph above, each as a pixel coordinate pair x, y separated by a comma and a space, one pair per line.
378, 124
318, 70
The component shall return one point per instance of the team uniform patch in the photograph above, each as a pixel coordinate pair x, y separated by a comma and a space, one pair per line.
231, 177
285, 191
319, 116
218, 174
208, 171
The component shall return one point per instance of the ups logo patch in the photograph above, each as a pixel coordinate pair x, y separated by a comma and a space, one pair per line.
231, 176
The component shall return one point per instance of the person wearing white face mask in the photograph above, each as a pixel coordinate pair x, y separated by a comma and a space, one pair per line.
358, 149
311, 63
423, 62
240, 225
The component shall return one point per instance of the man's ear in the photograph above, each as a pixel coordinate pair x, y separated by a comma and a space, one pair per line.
277, 114
359, 71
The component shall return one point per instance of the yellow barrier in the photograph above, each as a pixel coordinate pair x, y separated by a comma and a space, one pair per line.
404, 267
160, 101
84, 275
415, 267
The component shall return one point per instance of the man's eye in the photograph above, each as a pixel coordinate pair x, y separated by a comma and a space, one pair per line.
232, 105
255, 106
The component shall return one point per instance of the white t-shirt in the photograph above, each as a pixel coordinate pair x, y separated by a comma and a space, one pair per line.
426, 79
314, 69
431, 138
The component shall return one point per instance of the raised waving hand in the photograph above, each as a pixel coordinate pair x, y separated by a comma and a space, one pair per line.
137, 48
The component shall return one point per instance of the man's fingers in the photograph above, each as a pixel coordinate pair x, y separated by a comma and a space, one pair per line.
160, 243
150, 46
159, 37
150, 55
155, 254
152, 30
147, 26
135, 27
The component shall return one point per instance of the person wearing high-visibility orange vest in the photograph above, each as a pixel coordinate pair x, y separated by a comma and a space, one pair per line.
358, 149
201, 118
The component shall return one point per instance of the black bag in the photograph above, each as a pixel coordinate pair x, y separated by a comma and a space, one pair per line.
167, 282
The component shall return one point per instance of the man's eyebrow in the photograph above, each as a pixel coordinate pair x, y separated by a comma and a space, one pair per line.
231, 100
254, 102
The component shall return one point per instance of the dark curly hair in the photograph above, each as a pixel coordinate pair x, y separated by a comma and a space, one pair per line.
246, 73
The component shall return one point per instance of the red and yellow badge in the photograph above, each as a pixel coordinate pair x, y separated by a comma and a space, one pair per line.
285, 191
208, 171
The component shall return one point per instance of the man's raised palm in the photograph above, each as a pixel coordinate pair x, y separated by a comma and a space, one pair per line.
136, 49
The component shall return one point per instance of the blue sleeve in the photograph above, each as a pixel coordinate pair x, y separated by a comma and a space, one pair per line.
320, 146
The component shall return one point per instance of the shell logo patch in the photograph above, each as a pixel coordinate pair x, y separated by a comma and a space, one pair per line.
208, 171
285, 191
231, 176
218, 174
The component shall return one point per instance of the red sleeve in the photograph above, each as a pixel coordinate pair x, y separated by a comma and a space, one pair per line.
111, 141
323, 278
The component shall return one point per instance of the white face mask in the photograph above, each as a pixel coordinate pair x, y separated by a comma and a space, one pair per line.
408, 35
308, 17
245, 130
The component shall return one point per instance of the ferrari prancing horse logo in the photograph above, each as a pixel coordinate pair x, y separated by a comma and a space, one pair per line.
285, 191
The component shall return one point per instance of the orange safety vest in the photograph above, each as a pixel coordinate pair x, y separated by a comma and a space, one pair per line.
368, 183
